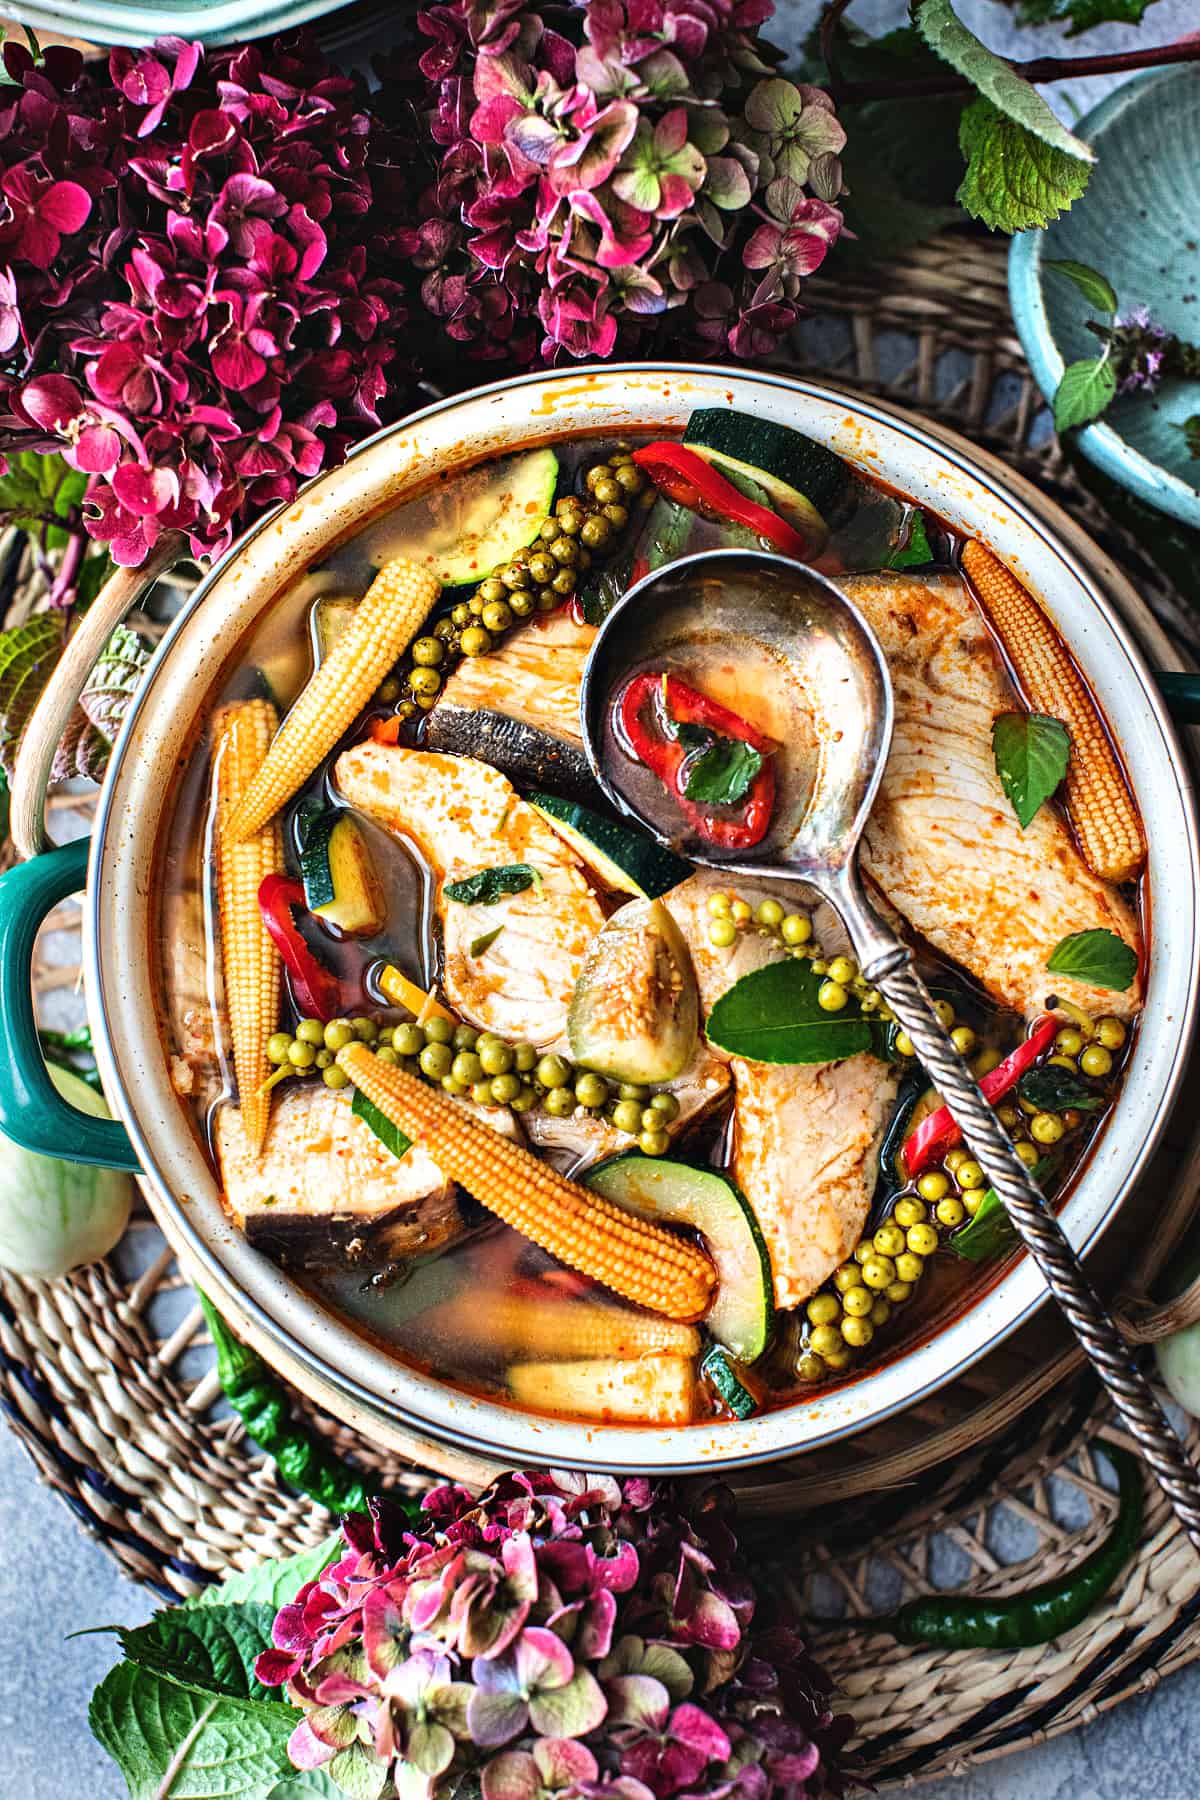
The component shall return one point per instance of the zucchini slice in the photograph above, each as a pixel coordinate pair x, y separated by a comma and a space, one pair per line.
649, 1390
341, 883
718, 1370
460, 532
807, 484
619, 856
674, 1193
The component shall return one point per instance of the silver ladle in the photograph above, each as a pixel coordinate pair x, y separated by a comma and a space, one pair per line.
799, 646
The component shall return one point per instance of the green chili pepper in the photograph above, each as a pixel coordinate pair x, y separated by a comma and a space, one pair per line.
1016, 1621
265, 1410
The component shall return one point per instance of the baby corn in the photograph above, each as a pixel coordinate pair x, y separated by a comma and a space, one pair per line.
561, 1329
253, 980
1102, 810
385, 621
636, 1259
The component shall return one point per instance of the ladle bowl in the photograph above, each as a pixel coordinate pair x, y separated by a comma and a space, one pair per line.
783, 646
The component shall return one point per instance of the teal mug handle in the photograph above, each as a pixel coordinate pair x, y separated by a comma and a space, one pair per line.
32, 1111
1182, 695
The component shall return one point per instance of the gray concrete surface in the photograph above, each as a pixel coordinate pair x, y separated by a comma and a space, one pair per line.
54, 1581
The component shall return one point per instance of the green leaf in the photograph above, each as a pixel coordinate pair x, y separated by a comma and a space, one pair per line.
211, 1647
1099, 957
1191, 432
484, 941
1085, 390
490, 885
1054, 1090
388, 1134
1031, 752
174, 1742
773, 1016
113, 682
28, 653
720, 770
306, 1784
1081, 15
1014, 181
1096, 290
917, 551
275, 1582
991, 1230
1015, 97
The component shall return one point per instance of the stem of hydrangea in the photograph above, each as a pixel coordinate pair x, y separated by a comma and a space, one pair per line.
1039, 69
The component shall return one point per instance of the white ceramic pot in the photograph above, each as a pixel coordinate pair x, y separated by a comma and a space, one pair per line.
362, 1383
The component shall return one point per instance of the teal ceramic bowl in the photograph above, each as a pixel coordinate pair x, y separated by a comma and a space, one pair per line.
1139, 224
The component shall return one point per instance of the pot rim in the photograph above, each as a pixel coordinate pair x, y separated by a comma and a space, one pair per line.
1021, 1289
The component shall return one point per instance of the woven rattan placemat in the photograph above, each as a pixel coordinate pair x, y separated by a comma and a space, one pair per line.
107, 1377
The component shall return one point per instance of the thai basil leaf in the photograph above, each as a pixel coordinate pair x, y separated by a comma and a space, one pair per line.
1031, 752
1099, 957
490, 885
388, 1134
723, 771
991, 1230
917, 551
1091, 284
172, 1741
773, 1016
1084, 391
1054, 1090
602, 587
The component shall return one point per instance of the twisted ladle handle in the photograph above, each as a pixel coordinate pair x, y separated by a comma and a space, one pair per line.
1043, 1237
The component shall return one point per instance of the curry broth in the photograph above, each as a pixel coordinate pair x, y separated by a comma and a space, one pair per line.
419, 1306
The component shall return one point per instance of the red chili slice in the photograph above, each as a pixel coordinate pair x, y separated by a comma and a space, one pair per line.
318, 993
938, 1133
685, 477
644, 729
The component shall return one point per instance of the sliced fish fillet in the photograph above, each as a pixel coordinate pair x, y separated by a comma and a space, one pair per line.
322, 1169
805, 1147
943, 842
466, 816
533, 677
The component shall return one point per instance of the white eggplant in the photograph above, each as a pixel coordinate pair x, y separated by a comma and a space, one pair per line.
56, 1216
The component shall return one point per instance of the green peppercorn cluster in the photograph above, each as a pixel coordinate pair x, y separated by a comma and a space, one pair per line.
539, 578
729, 916
478, 1064
844, 1315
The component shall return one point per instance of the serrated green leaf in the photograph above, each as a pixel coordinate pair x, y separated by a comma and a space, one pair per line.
173, 1742
210, 1647
1031, 752
1096, 290
1014, 181
773, 1015
389, 1135
1099, 957
1015, 97
113, 682
28, 653
1085, 390
1081, 15
275, 1582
